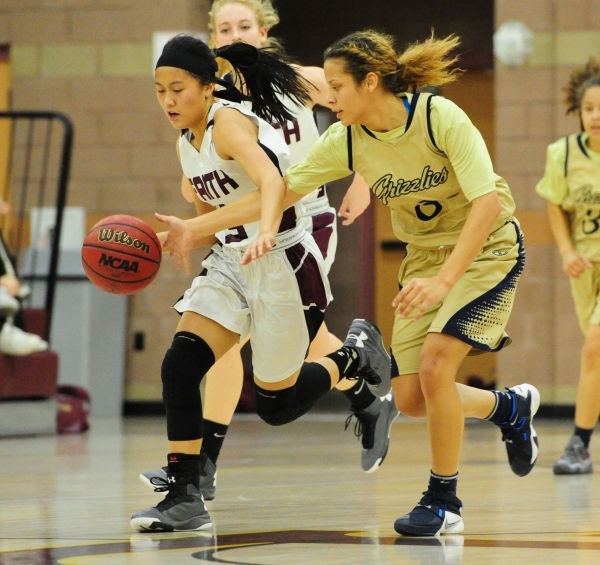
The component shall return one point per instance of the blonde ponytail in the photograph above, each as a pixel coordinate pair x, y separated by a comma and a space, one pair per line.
430, 62
426, 63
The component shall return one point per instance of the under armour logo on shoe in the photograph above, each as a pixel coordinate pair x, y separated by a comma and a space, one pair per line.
359, 338
171, 479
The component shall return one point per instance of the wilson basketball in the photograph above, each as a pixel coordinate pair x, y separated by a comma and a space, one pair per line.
121, 254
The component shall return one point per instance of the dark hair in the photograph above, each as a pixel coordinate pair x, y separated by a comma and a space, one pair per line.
421, 64
264, 76
579, 81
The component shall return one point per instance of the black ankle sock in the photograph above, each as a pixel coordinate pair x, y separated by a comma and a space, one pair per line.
440, 483
185, 467
359, 396
503, 412
584, 434
213, 438
346, 359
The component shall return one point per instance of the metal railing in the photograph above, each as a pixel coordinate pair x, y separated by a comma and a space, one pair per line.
37, 174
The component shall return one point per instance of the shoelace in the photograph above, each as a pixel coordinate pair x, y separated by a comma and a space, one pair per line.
160, 484
370, 375
447, 498
510, 433
574, 451
362, 428
174, 495
512, 428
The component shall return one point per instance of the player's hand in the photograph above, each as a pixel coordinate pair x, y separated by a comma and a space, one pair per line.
177, 241
574, 264
418, 295
356, 201
261, 246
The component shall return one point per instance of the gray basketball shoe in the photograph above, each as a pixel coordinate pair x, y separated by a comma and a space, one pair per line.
576, 459
373, 424
181, 510
183, 507
374, 361
156, 478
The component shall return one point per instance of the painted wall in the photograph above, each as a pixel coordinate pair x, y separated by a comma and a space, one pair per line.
92, 60
529, 116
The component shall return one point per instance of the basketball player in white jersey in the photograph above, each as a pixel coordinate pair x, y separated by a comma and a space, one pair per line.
249, 21
227, 151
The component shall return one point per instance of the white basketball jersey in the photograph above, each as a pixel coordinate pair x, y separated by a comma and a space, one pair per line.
221, 181
300, 134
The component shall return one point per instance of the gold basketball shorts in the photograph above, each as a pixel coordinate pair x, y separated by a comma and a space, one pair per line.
586, 295
477, 308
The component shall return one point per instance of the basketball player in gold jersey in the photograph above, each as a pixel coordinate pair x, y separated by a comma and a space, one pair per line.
571, 186
424, 159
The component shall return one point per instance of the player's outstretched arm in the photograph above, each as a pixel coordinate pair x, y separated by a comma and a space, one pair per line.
356, 200
235, 136
178, 241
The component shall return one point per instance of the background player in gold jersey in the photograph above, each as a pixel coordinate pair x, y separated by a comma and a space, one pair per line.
422, 156
571, 186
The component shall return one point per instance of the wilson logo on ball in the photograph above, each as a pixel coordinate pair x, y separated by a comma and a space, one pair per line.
123, 238
121, 254
116, 263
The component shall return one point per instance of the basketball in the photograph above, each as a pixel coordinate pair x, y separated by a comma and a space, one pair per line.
121, 254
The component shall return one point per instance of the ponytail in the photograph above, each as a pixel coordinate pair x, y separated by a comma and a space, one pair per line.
429, 63
421, 64
264, 76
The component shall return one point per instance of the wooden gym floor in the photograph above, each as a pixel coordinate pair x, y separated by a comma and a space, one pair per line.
290, 495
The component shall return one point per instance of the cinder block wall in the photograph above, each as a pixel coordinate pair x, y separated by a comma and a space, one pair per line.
530, 115
92, 59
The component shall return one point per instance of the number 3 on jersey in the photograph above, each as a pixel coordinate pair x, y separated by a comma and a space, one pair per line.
592, 224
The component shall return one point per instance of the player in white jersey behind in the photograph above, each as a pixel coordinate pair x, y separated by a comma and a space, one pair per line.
571, 186
232, 21
227, 151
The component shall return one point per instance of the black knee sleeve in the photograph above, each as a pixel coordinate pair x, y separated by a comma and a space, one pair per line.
186, 362
278, 407
275, 406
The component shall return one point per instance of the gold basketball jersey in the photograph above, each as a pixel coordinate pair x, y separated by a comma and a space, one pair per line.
416, 179
582, 199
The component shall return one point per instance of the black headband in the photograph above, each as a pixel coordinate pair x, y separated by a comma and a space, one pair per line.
201, 68
188, 62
